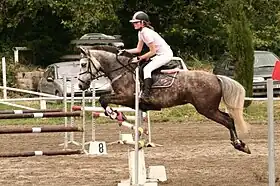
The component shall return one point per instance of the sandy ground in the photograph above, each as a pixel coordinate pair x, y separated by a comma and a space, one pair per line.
193, 154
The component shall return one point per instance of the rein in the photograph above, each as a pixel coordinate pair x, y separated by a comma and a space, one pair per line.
93, 77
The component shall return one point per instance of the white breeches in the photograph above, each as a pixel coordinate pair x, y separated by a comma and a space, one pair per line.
156, 62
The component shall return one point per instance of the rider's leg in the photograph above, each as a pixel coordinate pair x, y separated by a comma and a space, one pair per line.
155, 63
147, 88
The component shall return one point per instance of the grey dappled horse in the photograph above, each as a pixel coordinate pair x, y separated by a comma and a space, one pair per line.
203, 90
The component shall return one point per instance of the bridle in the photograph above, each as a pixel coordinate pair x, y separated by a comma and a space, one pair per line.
91, 64
89, 70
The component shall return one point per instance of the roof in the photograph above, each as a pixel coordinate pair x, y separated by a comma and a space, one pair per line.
60, 64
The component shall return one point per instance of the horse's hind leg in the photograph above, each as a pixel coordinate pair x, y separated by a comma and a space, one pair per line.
224, 119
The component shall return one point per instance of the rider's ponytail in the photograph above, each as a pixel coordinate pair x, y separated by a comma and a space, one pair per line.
148, 25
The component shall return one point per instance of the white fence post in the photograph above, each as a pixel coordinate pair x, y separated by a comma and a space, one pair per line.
4, 77
271, 155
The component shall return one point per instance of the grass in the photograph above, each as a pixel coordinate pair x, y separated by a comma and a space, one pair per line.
255, 113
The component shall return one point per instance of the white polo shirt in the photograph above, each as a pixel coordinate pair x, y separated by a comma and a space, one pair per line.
148, 36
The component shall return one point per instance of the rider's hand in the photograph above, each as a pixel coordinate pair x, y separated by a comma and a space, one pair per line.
135, 60
121, 52
142, 59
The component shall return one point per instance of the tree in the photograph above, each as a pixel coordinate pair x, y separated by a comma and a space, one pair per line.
190, 27
48, 26
240, 45
265, 24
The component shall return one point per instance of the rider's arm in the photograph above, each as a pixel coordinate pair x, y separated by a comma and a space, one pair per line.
138, 49
149, 54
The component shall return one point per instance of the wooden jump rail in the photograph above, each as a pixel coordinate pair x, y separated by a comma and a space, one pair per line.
41, 115
40, 130
40, 153
29, 111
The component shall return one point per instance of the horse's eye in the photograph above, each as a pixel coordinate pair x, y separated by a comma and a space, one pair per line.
84, 65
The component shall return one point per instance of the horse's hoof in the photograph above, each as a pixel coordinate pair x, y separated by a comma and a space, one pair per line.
241, 146
246, 149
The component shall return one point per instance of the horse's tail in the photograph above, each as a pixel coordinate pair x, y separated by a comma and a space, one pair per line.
233, 97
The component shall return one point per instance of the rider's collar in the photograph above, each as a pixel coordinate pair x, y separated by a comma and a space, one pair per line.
140, 29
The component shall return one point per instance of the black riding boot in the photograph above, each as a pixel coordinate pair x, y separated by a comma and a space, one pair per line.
147, 89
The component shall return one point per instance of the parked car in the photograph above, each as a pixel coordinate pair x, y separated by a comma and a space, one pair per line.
264, 63
90, 39
52, 80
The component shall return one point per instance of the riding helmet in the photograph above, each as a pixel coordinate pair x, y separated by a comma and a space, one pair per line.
139, 16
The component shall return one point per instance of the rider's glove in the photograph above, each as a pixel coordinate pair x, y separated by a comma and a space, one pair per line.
135, 60
121, 52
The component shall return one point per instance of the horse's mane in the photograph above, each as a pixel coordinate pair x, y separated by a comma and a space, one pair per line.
111, 49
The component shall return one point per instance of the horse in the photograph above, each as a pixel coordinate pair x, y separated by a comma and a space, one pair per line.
202, 89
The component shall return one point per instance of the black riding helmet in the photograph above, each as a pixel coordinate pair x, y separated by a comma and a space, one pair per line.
140, 16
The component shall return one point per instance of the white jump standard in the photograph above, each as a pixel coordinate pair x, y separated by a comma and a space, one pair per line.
137, 170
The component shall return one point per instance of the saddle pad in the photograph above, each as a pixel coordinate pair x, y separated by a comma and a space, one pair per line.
161, 80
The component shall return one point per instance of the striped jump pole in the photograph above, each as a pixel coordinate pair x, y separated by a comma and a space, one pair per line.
100, 109
40, 130
100, 114
40, 115
29, 111
40, 153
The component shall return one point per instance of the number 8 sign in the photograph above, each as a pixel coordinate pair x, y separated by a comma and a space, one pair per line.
97, 148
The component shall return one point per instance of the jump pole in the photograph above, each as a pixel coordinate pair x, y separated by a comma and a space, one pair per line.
39, 130
40, 115
271, 152
29, 111
40, 153
137, 121
84, 124
69, 138
93, 122
71, 135
100, 109
65, 110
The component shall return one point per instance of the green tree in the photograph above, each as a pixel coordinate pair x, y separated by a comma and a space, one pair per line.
87, 16
240, 45
48, 26
32, 23
265, 24
190, 27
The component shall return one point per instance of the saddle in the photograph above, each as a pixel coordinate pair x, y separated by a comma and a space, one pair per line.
164, 76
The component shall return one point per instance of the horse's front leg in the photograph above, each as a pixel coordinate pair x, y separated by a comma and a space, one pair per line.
118, 99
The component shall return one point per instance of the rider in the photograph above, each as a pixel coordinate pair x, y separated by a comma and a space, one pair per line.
159, 51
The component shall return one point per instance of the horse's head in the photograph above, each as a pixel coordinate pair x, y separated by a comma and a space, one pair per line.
105, 59
89, 67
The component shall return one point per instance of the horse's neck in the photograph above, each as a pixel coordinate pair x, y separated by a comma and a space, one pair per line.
114, 69
125, 84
